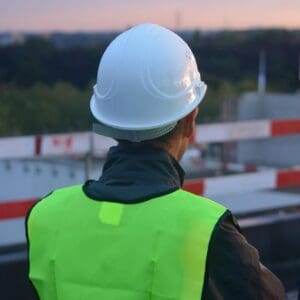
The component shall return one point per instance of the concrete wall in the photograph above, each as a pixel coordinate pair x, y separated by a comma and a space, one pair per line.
21, 179
279, 151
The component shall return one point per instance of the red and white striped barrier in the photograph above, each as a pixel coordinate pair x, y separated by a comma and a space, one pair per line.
246, 130
248, 182
268, 179
89, 143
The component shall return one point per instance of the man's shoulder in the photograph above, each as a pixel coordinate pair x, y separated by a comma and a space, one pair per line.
64, 191
55, 198
200, 201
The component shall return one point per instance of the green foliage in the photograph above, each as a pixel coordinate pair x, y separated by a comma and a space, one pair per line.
45, 88
39, 61
233, 56
43, 109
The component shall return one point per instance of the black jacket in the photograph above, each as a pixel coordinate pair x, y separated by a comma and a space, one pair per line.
133, 174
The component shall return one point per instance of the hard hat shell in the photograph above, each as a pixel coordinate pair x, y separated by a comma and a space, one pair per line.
147, 78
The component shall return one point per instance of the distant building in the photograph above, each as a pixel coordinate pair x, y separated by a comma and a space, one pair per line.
279, 151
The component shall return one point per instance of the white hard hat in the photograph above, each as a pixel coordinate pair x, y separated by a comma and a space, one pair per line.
147, 80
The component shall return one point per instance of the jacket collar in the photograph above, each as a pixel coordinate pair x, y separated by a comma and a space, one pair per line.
134, 173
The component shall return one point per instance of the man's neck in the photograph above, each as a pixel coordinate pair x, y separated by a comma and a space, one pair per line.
175, 148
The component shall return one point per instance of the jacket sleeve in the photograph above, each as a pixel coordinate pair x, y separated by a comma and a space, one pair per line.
233, 269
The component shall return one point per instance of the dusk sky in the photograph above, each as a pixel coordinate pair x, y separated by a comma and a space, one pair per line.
83, 15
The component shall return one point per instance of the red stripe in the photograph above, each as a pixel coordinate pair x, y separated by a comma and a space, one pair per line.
284, 127
38, 142
194, 186
15, 209
250, 168
288, 178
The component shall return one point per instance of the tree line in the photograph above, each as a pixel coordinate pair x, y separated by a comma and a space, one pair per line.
44, 88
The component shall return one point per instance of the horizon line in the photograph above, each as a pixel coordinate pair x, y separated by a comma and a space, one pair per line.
113, 30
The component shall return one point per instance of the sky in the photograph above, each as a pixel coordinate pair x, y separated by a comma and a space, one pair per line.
94, 15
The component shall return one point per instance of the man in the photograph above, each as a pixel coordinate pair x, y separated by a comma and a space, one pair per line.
135, 234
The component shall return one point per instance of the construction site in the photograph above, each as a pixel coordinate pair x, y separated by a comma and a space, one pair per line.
260, 186
240, 148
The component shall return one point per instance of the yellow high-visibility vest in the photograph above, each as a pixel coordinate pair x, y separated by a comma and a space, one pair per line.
80, 248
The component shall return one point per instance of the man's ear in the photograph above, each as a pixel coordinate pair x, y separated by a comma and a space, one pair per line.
189, 123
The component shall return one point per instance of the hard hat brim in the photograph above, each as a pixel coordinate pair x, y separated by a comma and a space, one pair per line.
132, 135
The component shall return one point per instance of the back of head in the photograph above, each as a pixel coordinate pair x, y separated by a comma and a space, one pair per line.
147, 81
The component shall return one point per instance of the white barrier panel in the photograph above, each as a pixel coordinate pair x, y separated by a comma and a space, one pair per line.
66, 144
243, 183
17, 147
240, 183
232, 131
